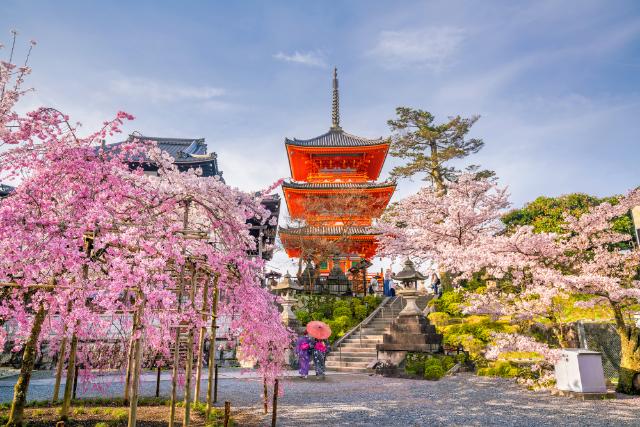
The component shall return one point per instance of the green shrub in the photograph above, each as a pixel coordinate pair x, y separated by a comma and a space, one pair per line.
102, 424
303, 316
439, 319
499, 369
120, 415
448, 362
433, 371
450, 303
317, 315
341, 310
361, 312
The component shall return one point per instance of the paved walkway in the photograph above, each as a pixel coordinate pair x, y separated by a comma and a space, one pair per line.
362, 400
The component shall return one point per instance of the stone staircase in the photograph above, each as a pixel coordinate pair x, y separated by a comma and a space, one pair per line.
358, 349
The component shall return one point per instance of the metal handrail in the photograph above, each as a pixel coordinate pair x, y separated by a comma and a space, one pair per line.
365, 322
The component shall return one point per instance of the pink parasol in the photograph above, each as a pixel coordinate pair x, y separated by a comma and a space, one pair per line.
318, 330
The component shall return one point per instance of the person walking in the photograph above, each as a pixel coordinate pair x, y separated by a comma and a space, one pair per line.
303, 351
320, 349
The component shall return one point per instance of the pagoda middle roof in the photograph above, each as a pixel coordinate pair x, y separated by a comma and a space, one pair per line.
336, 230
334, 138
337, 185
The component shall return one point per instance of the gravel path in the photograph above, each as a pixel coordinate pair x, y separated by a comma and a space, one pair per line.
362, 400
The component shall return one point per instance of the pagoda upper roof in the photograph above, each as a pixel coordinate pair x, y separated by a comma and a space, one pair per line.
334, 138
337, 185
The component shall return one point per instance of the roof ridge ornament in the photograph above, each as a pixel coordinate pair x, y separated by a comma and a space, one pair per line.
335, 105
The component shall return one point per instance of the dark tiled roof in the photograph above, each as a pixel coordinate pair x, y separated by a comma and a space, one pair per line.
187, 153
328, 231
337, 185
334, 138
5, 190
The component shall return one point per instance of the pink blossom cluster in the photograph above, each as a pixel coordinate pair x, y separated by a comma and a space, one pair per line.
91, 240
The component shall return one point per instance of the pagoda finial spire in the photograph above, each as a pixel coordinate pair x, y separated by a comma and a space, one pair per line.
335, 106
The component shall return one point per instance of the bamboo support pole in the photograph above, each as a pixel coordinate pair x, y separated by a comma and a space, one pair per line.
176, 355
203, 331
212, 350
71, 366
189, 363
60, 366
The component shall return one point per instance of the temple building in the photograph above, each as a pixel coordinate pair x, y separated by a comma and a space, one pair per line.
333, 195
191, 153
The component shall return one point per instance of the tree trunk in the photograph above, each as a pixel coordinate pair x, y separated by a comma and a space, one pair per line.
629, 373
127, 381
28, 360
137, 362
629, 381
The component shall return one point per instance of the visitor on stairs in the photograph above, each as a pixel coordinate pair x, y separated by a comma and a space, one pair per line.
320, 349
303, 351
373, 285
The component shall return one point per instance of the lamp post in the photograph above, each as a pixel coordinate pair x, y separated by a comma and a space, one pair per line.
362, 265
409, 278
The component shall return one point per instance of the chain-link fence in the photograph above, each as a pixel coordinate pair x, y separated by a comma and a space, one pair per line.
602, 337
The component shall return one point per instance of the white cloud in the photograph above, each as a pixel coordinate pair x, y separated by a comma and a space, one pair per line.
431, 47
159, 91
312, 59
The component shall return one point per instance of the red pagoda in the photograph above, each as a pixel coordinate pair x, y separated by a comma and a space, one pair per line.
333, 192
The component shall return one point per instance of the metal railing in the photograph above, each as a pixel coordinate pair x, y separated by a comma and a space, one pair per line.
358, 328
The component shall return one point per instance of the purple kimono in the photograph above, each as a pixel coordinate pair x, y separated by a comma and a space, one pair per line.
303, 353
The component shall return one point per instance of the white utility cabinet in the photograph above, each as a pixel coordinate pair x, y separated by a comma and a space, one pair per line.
580, 370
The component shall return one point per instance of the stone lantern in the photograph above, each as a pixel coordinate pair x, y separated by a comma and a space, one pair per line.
286, 289
409, 278
337, 279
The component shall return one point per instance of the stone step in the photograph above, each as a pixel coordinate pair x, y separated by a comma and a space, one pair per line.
353, 349
336, 364
364, 338
338, 359
367, 354
347, 369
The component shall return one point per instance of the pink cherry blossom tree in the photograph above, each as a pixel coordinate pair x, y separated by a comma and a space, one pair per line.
85, 238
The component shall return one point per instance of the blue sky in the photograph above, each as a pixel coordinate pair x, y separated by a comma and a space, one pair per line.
555, 82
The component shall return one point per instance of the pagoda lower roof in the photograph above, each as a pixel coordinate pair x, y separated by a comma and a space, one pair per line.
337, 185
334, 138
329, 231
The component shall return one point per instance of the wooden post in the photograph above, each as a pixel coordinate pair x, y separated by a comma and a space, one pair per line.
265, 402
227, 413
189, 363
60, 366
215, 386
135, 377
212, 395
71, 365
275, 404
158, 382
75, 382
203, 331
176, 355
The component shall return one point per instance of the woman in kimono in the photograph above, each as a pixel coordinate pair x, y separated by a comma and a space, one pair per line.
320, 349
303, 351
